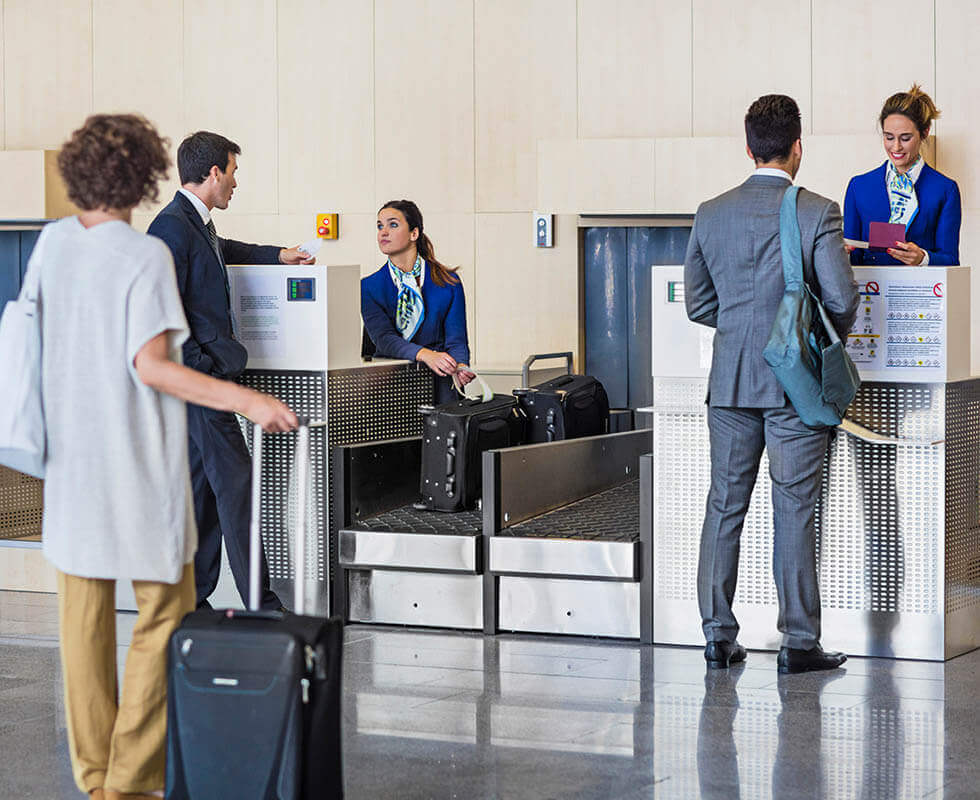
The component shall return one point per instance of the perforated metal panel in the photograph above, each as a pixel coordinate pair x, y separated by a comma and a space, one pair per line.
21, 505
962, 495
305, 393
365, 404
884, 518
682, 476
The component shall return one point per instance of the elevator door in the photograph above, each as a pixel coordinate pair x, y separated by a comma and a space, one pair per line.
617, 306
15, 250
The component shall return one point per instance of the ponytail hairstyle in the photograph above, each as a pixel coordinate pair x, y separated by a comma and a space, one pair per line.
441, 274
914, 104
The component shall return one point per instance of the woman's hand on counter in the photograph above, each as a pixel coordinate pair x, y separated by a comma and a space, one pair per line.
909, 253
439, 363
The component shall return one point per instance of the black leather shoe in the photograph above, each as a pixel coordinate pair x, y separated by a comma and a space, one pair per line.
791, 660
721, 655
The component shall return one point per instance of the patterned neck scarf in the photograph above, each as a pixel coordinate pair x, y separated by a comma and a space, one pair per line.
410, 310
902, 198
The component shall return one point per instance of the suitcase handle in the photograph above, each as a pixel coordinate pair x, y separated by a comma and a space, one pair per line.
485, 390
255, 536
526, 368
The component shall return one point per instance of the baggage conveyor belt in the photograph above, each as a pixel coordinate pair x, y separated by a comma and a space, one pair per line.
556, 547
609, 516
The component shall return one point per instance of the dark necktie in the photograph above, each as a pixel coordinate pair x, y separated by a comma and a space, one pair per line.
213, 238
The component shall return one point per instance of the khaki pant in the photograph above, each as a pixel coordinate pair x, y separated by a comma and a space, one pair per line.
118, 743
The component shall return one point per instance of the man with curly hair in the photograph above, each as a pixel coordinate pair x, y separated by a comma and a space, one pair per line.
221, 472
117, 496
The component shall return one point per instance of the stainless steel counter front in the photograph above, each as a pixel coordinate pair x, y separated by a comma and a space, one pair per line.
898, 524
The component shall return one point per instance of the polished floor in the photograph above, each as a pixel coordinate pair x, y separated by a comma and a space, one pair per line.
443, 715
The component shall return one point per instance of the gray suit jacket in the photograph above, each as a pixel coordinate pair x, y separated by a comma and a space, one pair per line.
733, 281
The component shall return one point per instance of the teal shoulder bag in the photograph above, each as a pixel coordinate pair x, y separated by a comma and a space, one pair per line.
804, 351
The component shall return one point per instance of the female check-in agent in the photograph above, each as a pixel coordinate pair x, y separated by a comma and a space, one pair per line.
413, 307
905, 190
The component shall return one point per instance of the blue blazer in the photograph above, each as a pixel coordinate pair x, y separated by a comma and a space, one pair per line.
201, 279
443, 328
935, 228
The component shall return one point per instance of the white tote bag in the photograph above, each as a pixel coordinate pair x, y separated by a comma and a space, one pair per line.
22, 439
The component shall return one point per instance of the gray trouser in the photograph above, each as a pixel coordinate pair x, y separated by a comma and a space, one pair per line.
796, 453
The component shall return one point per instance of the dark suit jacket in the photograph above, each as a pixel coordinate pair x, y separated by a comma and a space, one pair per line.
733, 281
201, 279
935, 227
444, 326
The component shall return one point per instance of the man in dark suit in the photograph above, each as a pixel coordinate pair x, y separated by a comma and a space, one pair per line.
733, 278
221, 472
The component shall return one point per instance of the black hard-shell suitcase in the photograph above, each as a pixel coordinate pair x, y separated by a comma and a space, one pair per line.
254, 704
454, 437
566, 407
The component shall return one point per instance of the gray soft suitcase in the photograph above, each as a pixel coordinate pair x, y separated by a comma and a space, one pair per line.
253, 705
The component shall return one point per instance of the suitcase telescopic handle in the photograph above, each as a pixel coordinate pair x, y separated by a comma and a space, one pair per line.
255, 526
526, 368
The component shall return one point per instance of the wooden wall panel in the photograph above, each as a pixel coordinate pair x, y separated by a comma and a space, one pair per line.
527, 297
525, 91
634, 70
2, 93
862, 53
595, 175
47, 71
829, 162
230, 65
957, 64
326, 106
424, 103
743, 51
137, 66
690, 171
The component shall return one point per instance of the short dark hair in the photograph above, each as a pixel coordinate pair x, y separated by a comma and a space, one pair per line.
199, 152
772, 124
113, 161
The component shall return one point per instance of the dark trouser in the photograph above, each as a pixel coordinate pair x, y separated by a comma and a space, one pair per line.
221, 477
796, 453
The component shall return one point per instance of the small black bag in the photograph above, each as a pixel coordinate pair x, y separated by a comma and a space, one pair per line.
567, 407
454, 437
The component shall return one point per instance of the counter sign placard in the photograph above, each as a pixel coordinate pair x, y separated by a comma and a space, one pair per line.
900, 332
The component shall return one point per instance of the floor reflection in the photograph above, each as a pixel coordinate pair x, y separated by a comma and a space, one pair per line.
441, 715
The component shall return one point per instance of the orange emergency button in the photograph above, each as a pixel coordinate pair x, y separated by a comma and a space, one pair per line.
327, 226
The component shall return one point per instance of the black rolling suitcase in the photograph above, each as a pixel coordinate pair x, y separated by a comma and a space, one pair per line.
253, 704
454, 437
567, 407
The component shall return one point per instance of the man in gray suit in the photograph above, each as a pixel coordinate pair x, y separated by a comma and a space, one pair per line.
733, 277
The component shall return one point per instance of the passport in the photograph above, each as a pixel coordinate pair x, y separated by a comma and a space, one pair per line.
882, 235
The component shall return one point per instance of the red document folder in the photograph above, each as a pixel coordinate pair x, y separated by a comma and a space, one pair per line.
882, 235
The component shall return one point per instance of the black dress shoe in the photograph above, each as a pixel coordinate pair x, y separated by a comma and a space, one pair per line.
721, 655
790, 660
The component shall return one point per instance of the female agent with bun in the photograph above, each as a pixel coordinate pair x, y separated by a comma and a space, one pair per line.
413, 307
906, 190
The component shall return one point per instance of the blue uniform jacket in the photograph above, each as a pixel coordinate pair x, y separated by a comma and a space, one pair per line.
444, 326
211, 347
935, 228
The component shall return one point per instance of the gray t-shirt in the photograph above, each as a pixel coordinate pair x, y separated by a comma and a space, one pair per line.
117, 495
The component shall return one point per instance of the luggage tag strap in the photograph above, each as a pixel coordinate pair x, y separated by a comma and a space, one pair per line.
486, 390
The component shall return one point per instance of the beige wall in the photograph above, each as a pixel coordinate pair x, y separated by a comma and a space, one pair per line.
471, 106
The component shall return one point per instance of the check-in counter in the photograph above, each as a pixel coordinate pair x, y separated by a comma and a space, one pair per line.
898, 521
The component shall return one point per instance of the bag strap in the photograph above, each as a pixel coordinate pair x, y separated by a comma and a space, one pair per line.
486, 391
790, 239
791, 245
